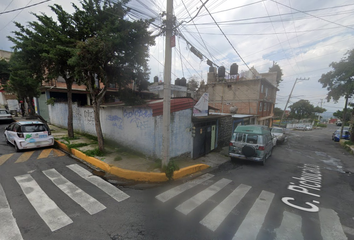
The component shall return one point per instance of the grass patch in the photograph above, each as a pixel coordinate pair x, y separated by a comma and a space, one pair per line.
94, 152
77, 145
118, 158
348, 143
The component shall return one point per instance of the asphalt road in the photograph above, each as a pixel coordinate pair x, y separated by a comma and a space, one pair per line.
303, 192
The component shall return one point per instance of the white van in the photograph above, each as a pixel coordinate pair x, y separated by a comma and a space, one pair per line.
251, 142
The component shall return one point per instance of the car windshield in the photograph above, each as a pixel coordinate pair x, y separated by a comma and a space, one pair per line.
277, 130
3, 112
33, 128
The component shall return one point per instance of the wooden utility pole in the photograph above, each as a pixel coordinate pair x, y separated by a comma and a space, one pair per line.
286, 105
167, 86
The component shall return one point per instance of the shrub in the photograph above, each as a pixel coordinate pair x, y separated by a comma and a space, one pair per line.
170, 168
94, 152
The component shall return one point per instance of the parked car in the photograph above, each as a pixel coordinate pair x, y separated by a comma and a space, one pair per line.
308, 128
339, 123
279, 133
336, 134
5, 115
251, 142
28, 134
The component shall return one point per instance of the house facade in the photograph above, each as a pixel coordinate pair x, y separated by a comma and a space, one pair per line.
244, 95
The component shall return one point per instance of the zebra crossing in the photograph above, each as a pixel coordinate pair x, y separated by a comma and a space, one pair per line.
25, 156
46, 207
251, 226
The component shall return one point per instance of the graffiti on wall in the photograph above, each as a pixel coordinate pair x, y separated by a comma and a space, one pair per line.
117, 122
139, 116
89, 117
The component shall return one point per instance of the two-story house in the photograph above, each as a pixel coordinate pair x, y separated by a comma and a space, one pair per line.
250, 93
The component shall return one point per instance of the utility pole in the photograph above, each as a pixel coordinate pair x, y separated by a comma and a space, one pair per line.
286, 105
319, 114
167, 86
344, 116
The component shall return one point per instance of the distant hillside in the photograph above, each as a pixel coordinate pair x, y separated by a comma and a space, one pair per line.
327, 115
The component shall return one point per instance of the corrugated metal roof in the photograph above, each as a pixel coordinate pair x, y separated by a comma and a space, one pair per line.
177, 104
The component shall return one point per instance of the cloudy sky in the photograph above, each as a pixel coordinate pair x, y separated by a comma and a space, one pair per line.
302, 36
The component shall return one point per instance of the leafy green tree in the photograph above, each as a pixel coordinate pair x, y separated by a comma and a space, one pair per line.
110, 50
276, 68
302, 109
4, 71
278, 112
339, 115
52, 39
23, 81
340, 81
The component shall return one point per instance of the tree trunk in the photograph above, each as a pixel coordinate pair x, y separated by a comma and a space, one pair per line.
31, 112
96, 111
352, 127
70, 111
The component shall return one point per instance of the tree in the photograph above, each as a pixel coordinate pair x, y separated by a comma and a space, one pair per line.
52, 38
276, 68
111, 50
278, 112
192, 84
302, 109
339, 115
4, 71
23, 81
340, 81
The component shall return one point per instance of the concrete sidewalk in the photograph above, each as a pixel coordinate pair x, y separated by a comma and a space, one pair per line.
128, 163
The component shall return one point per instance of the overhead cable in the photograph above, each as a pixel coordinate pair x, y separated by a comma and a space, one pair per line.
21, 8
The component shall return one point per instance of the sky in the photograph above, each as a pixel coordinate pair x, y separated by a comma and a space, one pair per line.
303, 37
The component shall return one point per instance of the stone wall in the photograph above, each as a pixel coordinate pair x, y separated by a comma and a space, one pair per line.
224, 131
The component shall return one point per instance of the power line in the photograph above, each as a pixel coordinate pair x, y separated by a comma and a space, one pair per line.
228, 40
312, 15
21, 8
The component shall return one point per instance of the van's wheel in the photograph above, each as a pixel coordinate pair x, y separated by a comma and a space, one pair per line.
263, 162
16, 147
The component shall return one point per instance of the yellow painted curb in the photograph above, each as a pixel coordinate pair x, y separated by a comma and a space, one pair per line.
133, 175
189, 170
138, 176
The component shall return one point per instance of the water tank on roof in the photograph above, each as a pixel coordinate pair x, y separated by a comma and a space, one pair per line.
234, 69
183, 82
221, 71
178, 82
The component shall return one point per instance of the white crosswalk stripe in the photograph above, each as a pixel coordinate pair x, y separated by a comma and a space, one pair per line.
331, 227
221, 211
165, 196
252, 223
108, 188
202, 196
51, 214
8, 226
290, 228
90, 204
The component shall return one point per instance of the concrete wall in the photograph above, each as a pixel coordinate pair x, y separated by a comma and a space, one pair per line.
134, 127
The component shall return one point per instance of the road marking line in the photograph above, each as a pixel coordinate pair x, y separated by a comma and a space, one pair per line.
90, 204
221, 211
290, 228
45, 153
202, 196
108, 188
331, 227
253, 221
8, 227
58, 153
165, 196
51, 214
24, 157
4, 158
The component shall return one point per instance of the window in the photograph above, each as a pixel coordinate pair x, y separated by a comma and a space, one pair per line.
266, 92
260, 107
265, 107
262, 88
33, 128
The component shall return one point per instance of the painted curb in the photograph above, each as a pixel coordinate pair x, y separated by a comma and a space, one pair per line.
130, 174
